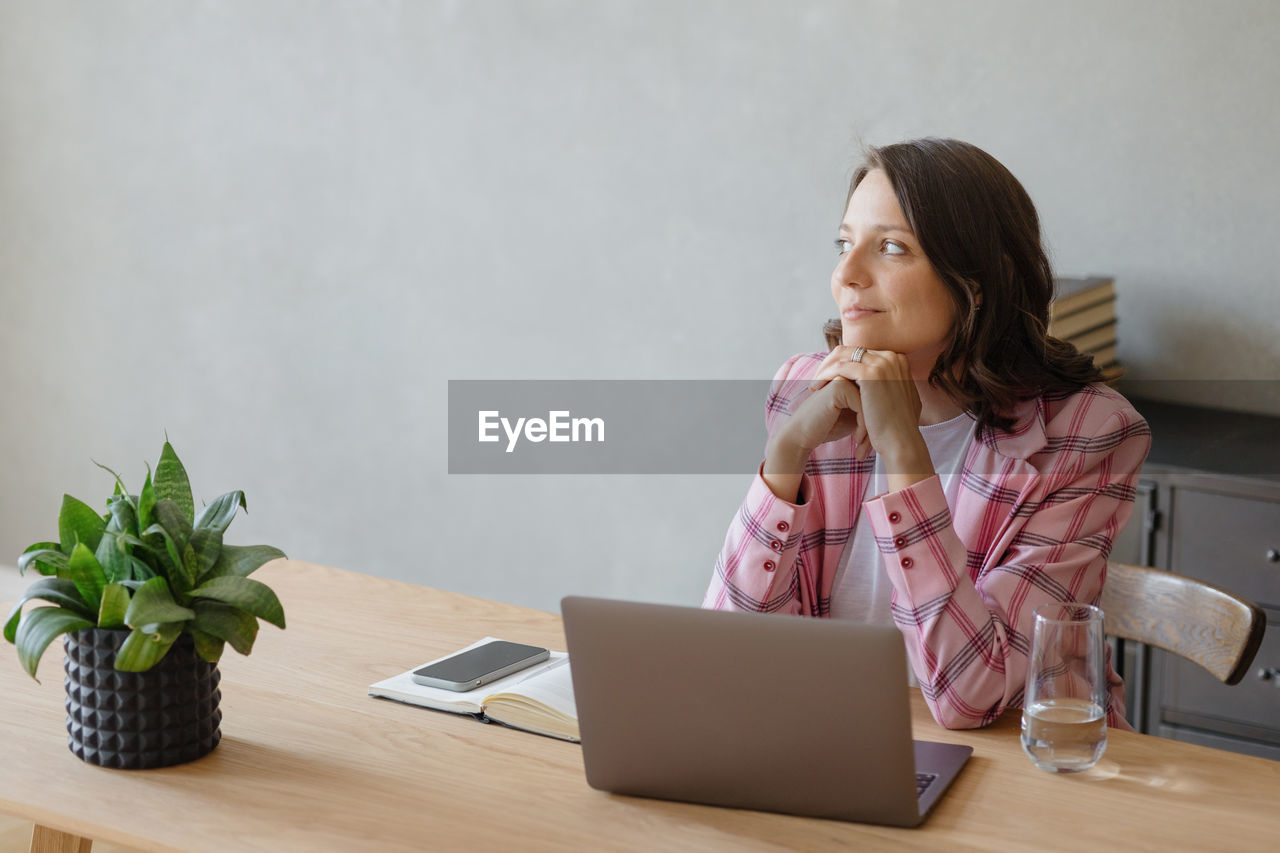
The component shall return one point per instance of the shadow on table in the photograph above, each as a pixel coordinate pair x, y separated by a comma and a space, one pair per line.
1161, 775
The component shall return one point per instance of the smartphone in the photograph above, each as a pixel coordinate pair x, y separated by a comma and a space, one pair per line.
481, 665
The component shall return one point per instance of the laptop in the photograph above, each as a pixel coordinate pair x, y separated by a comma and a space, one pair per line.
756, 711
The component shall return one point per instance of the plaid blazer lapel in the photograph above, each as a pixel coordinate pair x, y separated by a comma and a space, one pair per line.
996, 481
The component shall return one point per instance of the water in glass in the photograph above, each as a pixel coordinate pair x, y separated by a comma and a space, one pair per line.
1064, 735
1064, 723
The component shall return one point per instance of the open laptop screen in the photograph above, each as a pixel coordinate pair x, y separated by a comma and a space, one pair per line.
778, 713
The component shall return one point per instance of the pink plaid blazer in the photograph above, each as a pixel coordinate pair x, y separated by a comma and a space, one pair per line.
1036, 515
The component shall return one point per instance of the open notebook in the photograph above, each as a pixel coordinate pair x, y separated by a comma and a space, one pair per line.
538, 699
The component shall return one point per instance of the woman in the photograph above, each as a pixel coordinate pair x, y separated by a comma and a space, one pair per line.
947, 464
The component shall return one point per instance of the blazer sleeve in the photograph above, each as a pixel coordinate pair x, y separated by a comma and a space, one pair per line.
969, 640
757, 568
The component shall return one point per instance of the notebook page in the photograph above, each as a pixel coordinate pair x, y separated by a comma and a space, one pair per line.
552, 686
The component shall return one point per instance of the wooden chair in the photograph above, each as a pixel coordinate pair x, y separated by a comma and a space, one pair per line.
1198, 621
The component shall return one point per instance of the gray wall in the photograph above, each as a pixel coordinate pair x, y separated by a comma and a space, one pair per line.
276, 229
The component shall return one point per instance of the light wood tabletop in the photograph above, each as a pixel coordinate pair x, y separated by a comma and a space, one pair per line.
308, 761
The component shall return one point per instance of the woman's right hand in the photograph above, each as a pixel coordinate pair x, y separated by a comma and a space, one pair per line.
829, 413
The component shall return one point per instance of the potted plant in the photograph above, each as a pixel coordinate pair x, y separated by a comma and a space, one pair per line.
146, 598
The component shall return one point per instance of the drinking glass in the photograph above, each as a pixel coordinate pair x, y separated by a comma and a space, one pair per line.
1064, 719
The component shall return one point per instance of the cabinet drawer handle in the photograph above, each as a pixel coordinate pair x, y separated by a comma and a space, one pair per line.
1273, 555
1268, 673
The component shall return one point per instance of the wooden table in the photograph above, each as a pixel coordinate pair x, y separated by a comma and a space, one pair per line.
309, 762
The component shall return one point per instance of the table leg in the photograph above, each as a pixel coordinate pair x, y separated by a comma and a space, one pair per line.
46, 840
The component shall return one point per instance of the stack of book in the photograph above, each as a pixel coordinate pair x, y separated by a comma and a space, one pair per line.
1084, 314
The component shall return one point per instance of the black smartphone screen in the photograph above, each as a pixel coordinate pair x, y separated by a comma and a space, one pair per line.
482, 660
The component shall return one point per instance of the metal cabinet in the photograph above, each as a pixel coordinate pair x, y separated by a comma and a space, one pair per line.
1209, 507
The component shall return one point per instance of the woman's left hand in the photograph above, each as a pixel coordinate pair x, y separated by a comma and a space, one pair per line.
889, 412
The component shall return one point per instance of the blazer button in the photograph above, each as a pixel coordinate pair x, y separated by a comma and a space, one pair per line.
907, 562
900, 542
895, 517
783, 527
769, 565
775, 544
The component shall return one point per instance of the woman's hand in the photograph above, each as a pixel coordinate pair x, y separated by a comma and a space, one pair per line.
888, 402
875, 400
889, 411
830, 413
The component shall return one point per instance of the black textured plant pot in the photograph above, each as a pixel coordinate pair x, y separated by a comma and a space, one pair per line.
135, 720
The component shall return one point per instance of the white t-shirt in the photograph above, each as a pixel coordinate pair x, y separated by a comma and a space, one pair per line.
862, 589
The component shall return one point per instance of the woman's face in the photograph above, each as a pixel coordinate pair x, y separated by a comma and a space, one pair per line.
888, 294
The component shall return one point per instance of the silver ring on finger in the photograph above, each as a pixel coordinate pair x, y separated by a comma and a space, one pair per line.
858, 353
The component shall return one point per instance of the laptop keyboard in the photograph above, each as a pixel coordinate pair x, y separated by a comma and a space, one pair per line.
923, 781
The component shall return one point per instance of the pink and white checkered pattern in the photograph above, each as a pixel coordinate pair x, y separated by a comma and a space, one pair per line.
1035, 518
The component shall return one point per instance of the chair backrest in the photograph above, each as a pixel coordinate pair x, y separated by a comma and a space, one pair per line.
1207, 625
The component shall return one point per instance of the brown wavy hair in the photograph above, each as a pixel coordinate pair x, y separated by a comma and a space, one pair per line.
980, 231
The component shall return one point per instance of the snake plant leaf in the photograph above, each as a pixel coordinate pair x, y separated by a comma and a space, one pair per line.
145, 559
86, 573
46, 556
146, 502
121, 491
172, 517
141, 570
38, 628
171, 483
59, 591
208, 647
78, 522
245, 593
190, 565
169, 560
206, 542
174, 525
224, 622
41, 546
115, 603
124, 515
141, 651
218, 515
153, 603
241, 560
113, 555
